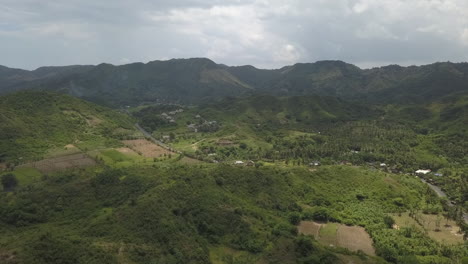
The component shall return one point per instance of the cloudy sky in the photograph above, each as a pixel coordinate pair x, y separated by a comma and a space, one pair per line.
266, 34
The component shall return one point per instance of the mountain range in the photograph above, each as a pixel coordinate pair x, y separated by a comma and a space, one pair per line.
196, 80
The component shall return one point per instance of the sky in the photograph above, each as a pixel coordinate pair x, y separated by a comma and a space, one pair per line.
266, 34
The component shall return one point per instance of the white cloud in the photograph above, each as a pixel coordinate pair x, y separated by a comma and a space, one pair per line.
259, 32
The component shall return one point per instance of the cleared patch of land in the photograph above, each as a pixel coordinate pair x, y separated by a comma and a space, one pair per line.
309, 228
353, 238
187, 160
146, 148
78, 160
127, 151
448, 230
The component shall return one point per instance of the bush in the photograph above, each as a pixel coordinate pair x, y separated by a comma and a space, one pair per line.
9, 182
294, 218
389, 221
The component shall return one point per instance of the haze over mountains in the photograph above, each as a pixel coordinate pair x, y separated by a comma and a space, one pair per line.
196, 80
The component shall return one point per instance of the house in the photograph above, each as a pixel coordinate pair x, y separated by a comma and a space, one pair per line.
239, 162
383, 165
422, 171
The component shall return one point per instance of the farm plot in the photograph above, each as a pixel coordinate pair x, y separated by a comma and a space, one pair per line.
79, 160
309, 228
448, 232
353, 238
146, 148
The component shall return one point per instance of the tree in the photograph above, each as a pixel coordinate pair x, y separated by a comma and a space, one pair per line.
389, 222
9, 182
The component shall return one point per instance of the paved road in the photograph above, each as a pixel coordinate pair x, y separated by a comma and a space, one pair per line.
441, 193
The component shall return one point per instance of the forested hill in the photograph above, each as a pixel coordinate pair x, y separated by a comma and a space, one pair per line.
33, 122
200, 79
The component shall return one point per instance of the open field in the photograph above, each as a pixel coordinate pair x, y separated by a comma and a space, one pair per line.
309, 228
78, 160
25, 176
147, 148
353, 238
448, 233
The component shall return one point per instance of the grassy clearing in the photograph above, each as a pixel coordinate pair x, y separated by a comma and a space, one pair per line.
25, 176
222, 255
327, 234
449, 230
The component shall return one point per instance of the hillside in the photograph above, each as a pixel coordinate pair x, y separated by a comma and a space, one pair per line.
31, 123
191, 81
209, 214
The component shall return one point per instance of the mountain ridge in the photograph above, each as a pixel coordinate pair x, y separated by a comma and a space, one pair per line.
194, 80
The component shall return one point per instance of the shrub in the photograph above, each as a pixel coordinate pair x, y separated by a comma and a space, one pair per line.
9, 182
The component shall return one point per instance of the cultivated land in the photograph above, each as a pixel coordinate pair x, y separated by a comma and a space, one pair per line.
353, 238
79, 160
448, 231
147, 148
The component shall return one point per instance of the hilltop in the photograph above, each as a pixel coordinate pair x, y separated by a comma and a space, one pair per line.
191, 81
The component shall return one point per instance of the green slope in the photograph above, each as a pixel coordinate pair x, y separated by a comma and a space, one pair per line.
187, 214
33, 122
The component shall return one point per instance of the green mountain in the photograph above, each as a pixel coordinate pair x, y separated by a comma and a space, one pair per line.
196, 80
33, 122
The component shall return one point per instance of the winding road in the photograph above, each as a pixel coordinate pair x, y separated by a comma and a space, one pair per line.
441, 193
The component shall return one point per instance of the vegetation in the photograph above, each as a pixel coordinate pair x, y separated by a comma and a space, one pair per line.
199, 80
33, 122
306, 158
180, 213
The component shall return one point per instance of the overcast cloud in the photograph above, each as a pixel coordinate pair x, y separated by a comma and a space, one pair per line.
266, 34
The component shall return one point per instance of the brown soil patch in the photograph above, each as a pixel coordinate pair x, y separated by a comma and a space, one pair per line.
309, 228
127, 151
70, 146
147, 148
355, 238
79, 160
7, 257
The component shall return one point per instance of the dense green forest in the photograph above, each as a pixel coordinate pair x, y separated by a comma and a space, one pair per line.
193, 214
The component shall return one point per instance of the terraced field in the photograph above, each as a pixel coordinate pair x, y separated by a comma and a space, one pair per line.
353, 238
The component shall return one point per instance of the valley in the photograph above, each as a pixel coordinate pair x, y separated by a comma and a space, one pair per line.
255, 178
